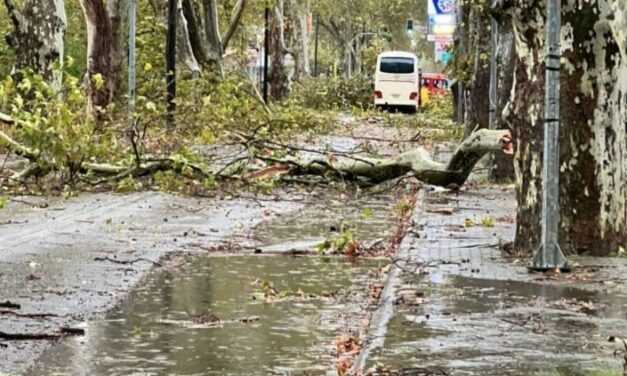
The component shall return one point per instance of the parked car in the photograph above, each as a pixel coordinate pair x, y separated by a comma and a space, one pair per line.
436, 83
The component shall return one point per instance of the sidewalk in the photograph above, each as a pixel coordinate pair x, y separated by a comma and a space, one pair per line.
455, 306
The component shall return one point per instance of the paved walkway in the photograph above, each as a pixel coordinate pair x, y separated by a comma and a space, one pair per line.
455, 306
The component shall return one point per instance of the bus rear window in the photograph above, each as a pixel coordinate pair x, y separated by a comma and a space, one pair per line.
397, 65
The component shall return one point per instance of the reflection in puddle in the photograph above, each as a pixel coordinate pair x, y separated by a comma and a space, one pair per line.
371, 217
487, 327
290, 337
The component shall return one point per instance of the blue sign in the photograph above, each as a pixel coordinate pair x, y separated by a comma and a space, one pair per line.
441, 6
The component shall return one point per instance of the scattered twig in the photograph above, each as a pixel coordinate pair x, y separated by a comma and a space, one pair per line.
9, 305
42, 205
480, 245
63, 332
12, 222
28, 315
127, 262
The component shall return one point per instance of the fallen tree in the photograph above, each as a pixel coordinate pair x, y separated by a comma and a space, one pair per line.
298, 162
416, 162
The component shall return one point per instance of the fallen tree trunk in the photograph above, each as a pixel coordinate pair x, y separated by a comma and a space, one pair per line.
416, 162
346, 166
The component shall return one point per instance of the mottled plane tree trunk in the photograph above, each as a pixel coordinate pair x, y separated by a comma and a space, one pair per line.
502, 169
103, 52
478, 55
303, 15
279, 83
217, 43
118, 15
38, 33
593, 142
292, 19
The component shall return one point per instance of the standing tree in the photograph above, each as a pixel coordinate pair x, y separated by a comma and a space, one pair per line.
38, 33
208, 43
104, 52
292, 33
593, 140
503, 168
472, 66
347, 22
278, 78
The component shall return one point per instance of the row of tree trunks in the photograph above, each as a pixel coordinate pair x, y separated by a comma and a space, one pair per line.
593, 144
473, 66
38, 39
39, 33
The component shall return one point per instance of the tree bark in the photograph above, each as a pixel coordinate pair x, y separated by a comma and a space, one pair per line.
38, 32
118, 13
185, 51
477, 98
215, 51
304, 65
503, 166
416, 162
236, 19
278, 75
217, 43
60, 42
593, 144
196, 35
100, 78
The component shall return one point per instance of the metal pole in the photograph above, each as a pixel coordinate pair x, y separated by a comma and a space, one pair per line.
132, 32
316, 45
266, 51
493, 74
550, 256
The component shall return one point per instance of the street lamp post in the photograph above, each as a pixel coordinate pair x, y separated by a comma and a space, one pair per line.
550, 256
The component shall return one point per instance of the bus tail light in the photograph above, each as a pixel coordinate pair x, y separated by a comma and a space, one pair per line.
413, 96
378, 94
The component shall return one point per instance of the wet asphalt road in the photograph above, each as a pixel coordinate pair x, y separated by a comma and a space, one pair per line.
55, 255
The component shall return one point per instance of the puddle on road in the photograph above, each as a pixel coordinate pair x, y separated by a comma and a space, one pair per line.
371, 217
290, 337
472, 326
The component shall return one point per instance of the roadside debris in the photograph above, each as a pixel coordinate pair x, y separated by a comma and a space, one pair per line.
127, 262
346, 348
61, 333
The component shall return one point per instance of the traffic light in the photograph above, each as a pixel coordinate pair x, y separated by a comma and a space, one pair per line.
410, 26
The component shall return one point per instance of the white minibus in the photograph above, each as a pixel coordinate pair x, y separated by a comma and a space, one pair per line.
396, 81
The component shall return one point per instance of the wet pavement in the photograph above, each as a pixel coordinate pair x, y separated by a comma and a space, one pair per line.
153, 332
76, 259
153, 329
168, 285
460, 308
